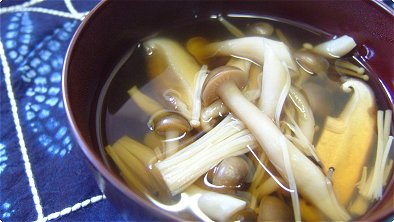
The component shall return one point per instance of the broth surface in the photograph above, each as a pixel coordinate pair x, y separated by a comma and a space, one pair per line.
118, 115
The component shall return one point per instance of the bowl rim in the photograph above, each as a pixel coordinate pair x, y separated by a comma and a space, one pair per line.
93, 158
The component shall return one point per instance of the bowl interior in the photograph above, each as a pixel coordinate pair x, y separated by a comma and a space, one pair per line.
113, 27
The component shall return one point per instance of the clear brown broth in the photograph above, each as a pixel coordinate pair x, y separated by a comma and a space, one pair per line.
118, 115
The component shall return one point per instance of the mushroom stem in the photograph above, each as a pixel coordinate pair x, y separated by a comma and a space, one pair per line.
206, 205
228, 138
249, 48
196, 110
336, 48
308, 176
275, 85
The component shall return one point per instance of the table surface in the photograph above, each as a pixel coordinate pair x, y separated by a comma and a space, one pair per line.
42, 175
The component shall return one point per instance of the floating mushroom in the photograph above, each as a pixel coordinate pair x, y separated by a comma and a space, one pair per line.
224, 83
173, 127
275, 85
249, 48
274, 209
311, 62
335, 48
228, 138
260, 29
232, 172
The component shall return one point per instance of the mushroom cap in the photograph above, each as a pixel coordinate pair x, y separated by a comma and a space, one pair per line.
311, 62
260, 29
171, 122
217, 77
231, 172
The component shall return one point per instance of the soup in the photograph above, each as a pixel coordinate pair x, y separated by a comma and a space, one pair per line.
248, 118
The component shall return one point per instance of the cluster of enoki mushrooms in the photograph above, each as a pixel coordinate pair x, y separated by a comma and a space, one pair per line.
233, 136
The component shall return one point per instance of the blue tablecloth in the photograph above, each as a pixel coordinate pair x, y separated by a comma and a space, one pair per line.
42, 175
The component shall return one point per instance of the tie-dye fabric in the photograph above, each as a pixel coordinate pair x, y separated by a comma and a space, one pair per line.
42, 174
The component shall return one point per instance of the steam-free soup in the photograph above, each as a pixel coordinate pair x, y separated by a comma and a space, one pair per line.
248, 118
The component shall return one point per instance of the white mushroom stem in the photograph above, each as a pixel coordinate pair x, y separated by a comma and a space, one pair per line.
206, 205
372, 189
275, 85
309, 178
250, 48
171, 142
196, 110
305, 118
173, 97
336, 48
252, 90
214, 110
228, 138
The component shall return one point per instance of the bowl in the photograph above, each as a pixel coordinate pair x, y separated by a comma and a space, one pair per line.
113, 27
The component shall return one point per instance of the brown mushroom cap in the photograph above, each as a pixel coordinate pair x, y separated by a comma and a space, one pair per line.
232, 172
217, 77
171, 122
260, 29
311, 62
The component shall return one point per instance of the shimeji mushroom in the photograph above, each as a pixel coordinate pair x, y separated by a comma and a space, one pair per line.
249, 48
177, 71
260, 29
173, 127
206, 205
275, 85
225, 82
232, 172
228, 138
344, 67
345, 140
311, 63
334, 48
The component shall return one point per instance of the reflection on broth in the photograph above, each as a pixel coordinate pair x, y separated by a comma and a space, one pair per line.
267, 119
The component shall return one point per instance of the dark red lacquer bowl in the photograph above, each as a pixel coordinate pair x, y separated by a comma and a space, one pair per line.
113, 27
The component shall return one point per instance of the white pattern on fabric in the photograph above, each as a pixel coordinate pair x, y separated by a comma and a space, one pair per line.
3, 158
42, 75
14, 109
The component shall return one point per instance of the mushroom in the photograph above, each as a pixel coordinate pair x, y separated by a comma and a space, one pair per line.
245, 215
232, 172
344, 67
335, 48
274, 209
228, 138
275, 85
206, 205
311, 62
248, 48
173, 127
225, 82
260, 29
